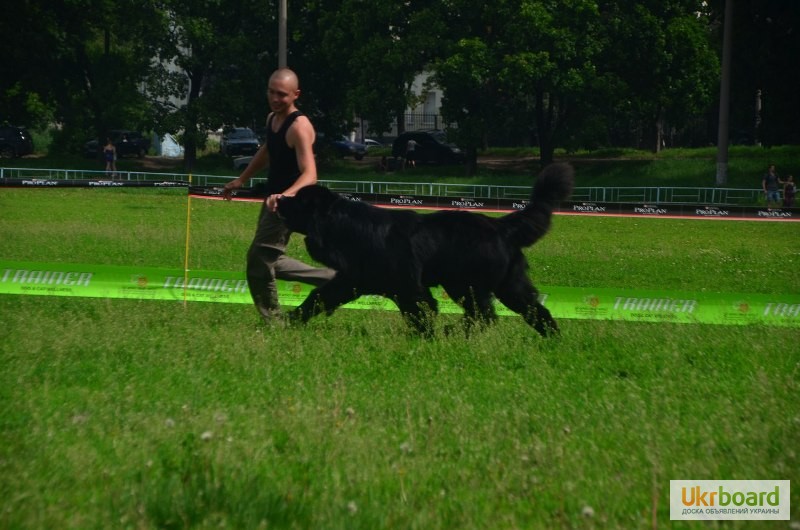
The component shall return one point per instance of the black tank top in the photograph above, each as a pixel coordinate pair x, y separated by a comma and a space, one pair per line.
283, 168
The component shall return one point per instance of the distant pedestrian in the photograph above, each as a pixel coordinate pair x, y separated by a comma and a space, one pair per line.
110, 156
770, 184
411, 153
789, 192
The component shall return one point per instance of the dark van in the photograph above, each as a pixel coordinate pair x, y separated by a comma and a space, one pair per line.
15, 142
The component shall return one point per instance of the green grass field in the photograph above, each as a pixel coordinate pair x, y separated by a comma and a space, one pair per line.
135, 414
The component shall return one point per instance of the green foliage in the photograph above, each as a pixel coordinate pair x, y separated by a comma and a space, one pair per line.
395, 41
518, 66
576, 74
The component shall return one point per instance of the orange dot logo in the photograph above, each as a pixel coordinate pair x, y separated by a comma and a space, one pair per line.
592, 301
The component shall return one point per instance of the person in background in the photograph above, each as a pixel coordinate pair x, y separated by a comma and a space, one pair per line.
288, 153
770, 184
411, 153
110, 156
789, 192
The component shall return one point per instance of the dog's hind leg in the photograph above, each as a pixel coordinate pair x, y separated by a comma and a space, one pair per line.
478, 309
477, 304
519, 295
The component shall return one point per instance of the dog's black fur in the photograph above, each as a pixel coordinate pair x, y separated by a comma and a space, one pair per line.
400, 254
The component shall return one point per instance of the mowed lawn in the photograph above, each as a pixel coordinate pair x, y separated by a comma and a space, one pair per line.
136, 414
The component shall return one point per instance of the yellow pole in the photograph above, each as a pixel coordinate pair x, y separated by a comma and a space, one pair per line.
186, 251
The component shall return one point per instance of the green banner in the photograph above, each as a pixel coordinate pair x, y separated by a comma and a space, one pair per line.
148, 283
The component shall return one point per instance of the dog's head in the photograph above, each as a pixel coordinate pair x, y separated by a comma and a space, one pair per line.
300, 211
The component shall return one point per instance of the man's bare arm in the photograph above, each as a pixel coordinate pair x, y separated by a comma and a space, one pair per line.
258, 163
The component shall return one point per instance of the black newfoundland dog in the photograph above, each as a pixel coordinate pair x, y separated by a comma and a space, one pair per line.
400, 254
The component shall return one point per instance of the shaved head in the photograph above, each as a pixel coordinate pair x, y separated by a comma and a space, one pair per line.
283, 91
286, 76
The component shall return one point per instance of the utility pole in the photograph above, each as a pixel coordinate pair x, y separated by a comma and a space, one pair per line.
757, 125
282, 16
725, 97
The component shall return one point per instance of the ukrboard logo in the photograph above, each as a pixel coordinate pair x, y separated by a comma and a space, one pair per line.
729, 500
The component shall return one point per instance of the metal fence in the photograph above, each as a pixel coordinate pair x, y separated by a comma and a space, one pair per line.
654, 195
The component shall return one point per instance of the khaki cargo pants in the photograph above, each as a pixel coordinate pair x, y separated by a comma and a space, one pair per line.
267, 260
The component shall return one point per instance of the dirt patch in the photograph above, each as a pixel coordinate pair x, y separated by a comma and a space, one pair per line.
160, 164
515, 164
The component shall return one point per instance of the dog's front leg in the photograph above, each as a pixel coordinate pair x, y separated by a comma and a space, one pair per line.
325, 298
418, 311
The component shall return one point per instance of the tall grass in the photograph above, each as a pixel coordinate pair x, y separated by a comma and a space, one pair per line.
136, 414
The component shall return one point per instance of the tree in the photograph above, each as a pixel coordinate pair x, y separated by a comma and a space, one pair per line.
79, 64
764, 70
224, 52
364, 57
662, 61
517, 58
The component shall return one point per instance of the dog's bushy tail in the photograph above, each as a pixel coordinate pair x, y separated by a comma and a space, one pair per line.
553, 185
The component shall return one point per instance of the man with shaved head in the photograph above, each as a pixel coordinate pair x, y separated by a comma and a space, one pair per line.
289, 154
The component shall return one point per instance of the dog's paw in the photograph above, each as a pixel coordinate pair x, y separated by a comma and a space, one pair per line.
293, 317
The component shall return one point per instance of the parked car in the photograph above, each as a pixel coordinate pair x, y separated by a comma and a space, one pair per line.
239, 141
241, 162
342, 147
128, 143
345, 147
15, 142
371, 144
432, 147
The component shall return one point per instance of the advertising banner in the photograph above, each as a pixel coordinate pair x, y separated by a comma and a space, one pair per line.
88, 183
149, 283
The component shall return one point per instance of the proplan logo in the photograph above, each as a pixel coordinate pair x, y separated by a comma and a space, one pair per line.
708, 500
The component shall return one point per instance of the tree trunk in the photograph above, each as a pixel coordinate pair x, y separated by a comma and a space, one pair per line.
544, 123
401, 122
190, 131
659, 132
471, 166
